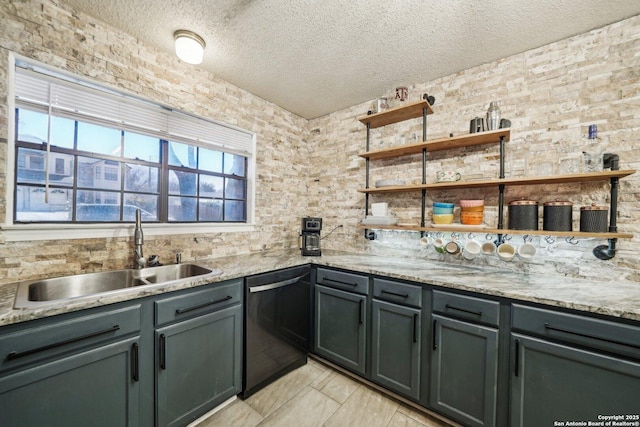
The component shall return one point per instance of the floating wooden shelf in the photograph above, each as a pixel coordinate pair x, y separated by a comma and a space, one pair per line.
541, 180
480, 230
411, 110
448, 143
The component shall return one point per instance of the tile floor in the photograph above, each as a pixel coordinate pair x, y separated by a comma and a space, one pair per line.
316, 395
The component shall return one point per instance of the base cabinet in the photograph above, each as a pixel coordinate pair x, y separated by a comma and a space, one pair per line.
341, 327
395, 347
464, 368
97, 387
163, 361
553, 382
198, 341
199, 365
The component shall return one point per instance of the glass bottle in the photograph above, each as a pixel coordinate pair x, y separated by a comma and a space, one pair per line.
493, 116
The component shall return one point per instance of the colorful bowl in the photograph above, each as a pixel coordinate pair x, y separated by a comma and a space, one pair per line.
471, 218
472, 209
471, 203
442, 211
442, 218
443, 205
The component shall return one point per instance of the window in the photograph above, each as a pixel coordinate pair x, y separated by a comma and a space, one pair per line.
60, 166
101, 165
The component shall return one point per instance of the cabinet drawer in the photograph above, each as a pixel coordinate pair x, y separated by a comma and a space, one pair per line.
345, 281
198, 302
466, 307
400, 293
596, 333
54, 337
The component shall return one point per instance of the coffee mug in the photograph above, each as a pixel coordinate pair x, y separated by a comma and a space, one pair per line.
425, 241
527, 251
439, 244
506, 251
453, 248
448, 176
488, 248
471, 250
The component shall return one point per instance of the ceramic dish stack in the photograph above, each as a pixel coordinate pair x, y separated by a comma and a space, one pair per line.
380, 215
442, 213
471, 212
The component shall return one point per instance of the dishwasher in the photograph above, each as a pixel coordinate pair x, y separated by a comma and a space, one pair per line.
277, 320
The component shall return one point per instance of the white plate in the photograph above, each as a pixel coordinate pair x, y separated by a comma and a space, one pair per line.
379, 220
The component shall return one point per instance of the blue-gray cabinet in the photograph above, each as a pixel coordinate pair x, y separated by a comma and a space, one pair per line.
341, 327
464, 362
199, 352
160, 360
572, 367
396, 336
75, 371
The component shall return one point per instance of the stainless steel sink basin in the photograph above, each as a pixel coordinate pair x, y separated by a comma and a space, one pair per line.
41, 292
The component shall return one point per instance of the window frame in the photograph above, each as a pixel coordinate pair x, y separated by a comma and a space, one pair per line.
50, 231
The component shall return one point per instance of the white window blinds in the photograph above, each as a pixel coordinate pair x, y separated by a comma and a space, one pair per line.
40, 89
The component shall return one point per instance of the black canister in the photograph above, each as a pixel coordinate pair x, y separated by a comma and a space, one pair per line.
593, 219
523, 215
557, 216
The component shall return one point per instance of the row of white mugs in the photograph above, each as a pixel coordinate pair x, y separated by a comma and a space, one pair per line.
472, 248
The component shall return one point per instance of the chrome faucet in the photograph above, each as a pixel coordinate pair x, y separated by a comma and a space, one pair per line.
138, 238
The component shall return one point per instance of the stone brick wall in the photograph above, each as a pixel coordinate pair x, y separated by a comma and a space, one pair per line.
551, 95
52, 33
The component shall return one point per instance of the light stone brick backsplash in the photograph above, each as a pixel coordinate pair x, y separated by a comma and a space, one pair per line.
550, 94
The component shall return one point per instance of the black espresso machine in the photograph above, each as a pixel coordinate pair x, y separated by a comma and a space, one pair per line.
310, 236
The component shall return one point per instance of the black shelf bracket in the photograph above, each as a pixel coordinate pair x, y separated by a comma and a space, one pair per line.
607, 252
369, 235
501, 188
423, 205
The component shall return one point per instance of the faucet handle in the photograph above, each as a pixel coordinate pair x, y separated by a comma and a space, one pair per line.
178, 257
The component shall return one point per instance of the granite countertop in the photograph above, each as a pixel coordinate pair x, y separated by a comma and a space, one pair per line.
618, 299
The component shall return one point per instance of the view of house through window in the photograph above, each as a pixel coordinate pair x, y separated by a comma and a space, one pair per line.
94, 173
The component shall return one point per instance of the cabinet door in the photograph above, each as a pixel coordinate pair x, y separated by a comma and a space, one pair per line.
553, 382
395, 351
341, 327
199, 365
464, 368
97, 387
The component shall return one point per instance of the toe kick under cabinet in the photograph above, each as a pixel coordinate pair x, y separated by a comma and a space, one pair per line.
163, 360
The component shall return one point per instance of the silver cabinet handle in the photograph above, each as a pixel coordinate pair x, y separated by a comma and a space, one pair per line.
276, 285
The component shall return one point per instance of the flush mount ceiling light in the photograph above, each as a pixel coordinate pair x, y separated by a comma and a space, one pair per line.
189, 46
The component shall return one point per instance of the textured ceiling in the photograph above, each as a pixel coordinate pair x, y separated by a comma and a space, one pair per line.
315, 57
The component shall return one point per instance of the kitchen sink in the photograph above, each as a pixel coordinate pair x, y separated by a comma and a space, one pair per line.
41, 292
